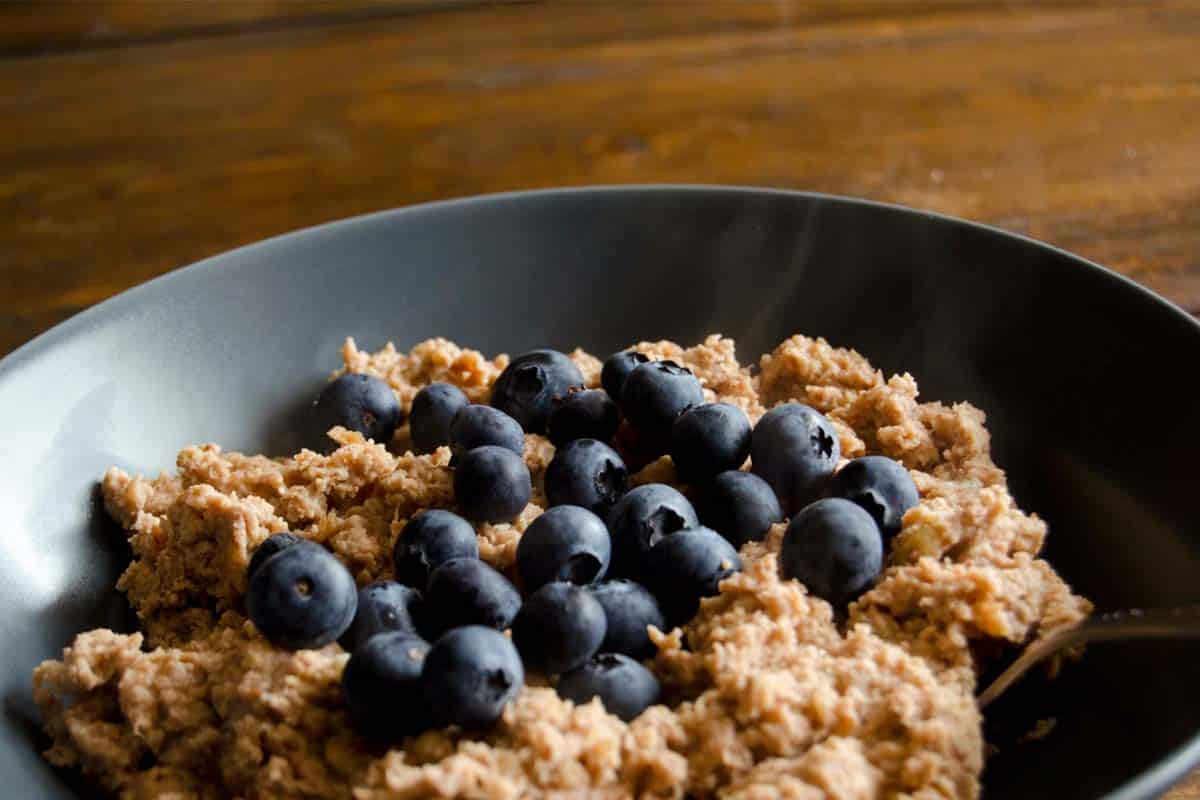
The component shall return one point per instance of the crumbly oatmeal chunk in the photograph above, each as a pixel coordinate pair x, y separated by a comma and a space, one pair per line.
498, 541
431, 361
660, 470
189, 564
936, 608
589, 367
812, 371
538, 454
230, 711
766, 696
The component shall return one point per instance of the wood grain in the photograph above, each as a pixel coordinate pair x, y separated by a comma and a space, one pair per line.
37, 28
138, 137
1077, 124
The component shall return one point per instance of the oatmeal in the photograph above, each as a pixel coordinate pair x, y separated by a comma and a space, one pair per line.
766, 692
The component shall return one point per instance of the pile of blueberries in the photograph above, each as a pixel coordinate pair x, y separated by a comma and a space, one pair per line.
598, 567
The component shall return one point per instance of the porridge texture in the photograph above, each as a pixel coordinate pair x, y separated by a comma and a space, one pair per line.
766, 694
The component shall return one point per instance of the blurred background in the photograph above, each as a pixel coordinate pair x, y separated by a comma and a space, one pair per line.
140, 136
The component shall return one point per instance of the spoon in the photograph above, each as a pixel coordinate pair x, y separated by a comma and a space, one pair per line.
1182, 622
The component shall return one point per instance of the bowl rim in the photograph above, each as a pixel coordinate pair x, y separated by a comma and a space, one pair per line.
1151, 782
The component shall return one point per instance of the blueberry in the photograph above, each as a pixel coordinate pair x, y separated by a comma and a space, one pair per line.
794, 448
466, 591
432, 411
636, 450
383, 606
883, 487
475, 426
624, 686
689, 565
617, 368
740, 506
360, 403
270, 546
566, 543
470, 675
589, 414
382, 686
430, 539
639, 520
301, 598
585, 473
834, 548
655, 394
560, 626
630, 609
492, 484
528, 387
708, 439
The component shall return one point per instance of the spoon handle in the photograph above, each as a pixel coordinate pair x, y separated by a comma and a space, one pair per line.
1182, 622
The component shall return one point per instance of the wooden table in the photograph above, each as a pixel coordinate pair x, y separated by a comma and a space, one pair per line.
138, 137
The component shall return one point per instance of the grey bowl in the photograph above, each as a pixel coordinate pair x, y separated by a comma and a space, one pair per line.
1085, 376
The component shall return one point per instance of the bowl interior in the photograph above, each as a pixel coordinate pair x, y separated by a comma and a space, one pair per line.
1082, 374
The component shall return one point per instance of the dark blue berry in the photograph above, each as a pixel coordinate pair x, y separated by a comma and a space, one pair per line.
624, 686
382, 606
639, 520
359, 402
740, 506
617, 368
630, 609
492, 484
301, 598
687, 566
795, 449
466, 591
430, 539
269, 547
636, 449
433, 409
559, 627
585, 473
382, 686
655, 394
528, 387
470, 675
566, 543
883, 487
834, 548
588, 414
709, 439
475, 426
